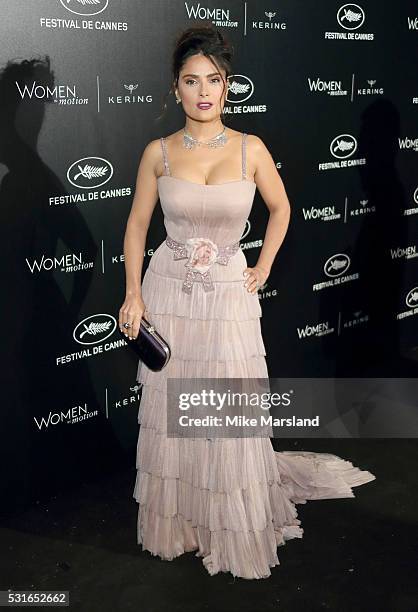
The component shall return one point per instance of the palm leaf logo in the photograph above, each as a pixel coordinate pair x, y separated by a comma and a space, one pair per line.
343, 145
84, 2
238, 88
90, 172
95, 328
350, 15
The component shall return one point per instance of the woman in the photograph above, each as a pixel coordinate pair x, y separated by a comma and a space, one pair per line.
230, 500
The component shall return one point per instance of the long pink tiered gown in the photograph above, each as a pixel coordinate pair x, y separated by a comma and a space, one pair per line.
230, 500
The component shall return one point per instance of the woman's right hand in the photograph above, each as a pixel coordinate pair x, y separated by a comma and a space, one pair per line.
131, 311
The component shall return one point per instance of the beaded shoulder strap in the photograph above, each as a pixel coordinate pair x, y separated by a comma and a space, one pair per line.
165, 156
244, 156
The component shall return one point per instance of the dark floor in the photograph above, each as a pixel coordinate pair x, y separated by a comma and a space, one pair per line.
356, 554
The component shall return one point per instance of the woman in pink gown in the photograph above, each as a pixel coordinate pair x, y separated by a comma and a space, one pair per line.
232, 500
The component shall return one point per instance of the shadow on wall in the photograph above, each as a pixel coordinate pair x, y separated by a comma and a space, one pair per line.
37, 317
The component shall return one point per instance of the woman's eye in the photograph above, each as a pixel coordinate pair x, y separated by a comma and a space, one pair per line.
216, 79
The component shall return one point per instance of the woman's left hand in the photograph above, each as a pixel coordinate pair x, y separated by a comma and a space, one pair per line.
254, 278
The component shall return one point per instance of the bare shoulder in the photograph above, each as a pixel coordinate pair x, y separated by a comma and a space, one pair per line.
257, 154
255, 144
174, 136
151, 154
153, 148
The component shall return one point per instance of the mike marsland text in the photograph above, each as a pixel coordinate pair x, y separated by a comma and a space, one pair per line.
242, 421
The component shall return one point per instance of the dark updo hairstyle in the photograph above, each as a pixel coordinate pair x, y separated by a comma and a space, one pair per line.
207, 40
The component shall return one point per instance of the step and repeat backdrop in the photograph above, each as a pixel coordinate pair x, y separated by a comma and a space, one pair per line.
331, 88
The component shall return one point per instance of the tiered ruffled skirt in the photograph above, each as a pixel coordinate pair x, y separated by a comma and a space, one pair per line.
230, 500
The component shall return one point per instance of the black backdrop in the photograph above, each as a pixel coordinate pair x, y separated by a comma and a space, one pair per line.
331, 88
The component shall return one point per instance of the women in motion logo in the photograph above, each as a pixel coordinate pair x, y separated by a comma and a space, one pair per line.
85, 8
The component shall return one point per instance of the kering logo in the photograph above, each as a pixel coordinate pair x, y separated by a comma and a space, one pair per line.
84, 7
258, 24
336, 265
265, 293
343, 146
131, 88
359, 318
363, 209
88, 172
94, 329
350, 16
130, 96
239, 89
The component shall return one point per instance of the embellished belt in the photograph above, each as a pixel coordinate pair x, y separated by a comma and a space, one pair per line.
201, 253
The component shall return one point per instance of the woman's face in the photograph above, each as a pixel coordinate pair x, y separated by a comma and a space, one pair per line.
200, 81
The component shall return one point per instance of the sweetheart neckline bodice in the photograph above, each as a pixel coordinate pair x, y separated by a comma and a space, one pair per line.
205, 184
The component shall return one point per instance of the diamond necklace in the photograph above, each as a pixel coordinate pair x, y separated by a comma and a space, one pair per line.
217, 141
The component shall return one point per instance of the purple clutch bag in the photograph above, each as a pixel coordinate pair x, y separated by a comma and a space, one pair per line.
153, 350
